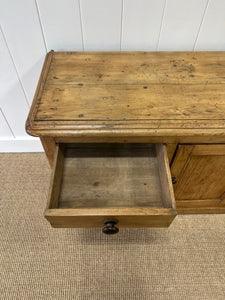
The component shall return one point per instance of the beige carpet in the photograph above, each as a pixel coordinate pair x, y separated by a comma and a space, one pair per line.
186, 261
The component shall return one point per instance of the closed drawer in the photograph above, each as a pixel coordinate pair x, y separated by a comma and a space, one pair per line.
129, 184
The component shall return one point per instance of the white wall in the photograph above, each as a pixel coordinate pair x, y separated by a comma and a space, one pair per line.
29, 28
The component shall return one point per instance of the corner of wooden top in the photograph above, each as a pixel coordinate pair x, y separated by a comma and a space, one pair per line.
29, 129
28, 126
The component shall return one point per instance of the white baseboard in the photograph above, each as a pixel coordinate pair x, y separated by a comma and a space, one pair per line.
21, 145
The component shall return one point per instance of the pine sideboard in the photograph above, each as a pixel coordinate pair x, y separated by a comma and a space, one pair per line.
133, 138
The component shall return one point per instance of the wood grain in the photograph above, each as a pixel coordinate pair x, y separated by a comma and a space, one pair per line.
56, 178
99, 181
75, 218
138, 136
111, 175
165, 176
175, 95
200, 175
202, 150
203, 178
171, 148
134, 97
49, 146
181, 160
212, 206
102, 103
137, 67
38, 91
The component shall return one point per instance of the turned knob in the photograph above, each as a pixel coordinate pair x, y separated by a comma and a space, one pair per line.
110, 227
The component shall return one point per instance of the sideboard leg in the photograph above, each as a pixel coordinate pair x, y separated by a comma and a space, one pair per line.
49, 146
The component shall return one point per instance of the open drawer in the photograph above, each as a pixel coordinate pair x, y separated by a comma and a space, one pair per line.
124, 184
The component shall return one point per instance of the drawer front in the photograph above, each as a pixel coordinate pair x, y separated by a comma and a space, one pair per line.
129, 184
95, 217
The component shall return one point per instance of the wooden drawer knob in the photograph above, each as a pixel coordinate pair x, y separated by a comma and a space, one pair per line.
110, 227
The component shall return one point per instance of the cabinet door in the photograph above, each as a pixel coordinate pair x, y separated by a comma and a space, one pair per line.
199, 178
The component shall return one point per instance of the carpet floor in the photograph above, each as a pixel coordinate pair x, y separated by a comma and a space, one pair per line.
185, 261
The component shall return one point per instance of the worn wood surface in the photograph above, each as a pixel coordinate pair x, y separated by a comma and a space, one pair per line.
56, 178
39, 90
49, 146
171, 148
139, 67
165, 176
111, 175
97, 180
212, 206
200, 177
181, 159
139, 97
131, 94
131, 217
150, 136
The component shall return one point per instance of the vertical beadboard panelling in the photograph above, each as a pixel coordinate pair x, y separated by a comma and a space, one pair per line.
212, 32
141, 24
181, 23
12, 99
21, 26
61, 24
5, 131
101, 24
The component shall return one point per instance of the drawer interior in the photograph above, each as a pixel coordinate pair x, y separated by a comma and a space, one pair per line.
100, 179
110, 175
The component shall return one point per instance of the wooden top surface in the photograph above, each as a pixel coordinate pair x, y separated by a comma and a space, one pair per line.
130, 93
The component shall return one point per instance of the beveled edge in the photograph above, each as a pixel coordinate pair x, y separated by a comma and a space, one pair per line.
41, 83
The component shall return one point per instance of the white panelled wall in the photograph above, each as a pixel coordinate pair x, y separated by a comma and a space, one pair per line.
31, 28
